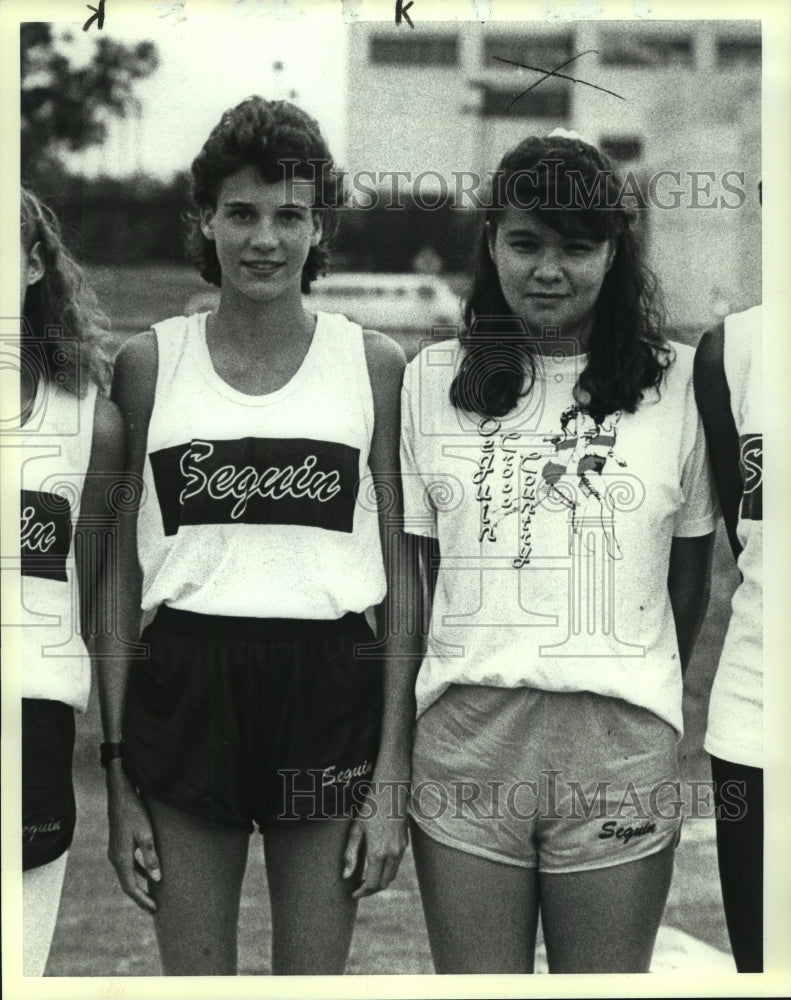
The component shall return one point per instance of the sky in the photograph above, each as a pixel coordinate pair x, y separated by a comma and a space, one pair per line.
206, 67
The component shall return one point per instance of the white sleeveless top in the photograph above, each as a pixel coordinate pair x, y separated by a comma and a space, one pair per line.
736, 706
251, 502
55, 457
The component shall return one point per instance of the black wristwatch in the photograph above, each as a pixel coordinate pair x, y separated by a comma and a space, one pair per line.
110, 751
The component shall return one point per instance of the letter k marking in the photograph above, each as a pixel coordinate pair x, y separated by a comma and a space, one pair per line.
401, 10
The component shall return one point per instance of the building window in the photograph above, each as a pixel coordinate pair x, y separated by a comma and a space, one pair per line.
546, 101
622, 148
622, 48
732, 52
543, 53
409, 50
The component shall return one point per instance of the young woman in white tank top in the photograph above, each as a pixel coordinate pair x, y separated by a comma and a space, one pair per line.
70, 446
267, 439
729, 392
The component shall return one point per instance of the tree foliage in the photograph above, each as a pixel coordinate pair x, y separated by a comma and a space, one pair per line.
67, 106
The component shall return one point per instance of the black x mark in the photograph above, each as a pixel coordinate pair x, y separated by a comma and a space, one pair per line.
554, 72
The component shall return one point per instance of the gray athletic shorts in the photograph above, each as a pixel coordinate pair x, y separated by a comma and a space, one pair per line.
561, 782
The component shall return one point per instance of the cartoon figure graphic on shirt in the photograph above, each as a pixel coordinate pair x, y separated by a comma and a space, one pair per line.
582, 450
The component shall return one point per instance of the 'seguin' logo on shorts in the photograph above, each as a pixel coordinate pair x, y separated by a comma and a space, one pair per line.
32, 830
332, 776
610, 829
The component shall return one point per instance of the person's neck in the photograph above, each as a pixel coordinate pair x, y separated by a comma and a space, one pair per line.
254, 328
571, 342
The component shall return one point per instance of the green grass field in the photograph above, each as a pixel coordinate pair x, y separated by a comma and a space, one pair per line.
101, 933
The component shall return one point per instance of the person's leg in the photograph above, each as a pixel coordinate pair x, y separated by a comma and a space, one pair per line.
312, 909
606, 919
41, 889
739, 800
198, 898
481, 915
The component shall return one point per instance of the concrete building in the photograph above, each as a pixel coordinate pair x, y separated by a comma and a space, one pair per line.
442, 98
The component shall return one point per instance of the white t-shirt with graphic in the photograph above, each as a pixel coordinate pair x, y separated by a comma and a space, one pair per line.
554, 532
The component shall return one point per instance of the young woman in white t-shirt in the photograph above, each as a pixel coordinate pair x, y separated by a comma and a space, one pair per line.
552, 458
267, 439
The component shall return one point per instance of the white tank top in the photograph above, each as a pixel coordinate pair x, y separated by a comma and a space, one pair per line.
251, 502
736, 706
55, 457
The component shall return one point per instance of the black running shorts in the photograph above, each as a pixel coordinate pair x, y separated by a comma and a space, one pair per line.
238, 720
48, 808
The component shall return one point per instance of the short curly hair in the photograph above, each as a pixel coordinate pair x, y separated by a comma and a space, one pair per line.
280, 140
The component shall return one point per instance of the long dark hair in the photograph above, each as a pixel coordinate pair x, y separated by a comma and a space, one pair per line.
63, 328
279, 140
570, 186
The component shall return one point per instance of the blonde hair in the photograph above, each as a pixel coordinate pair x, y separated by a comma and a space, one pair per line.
62, 322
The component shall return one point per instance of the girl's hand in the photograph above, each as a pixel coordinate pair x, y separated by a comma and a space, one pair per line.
383, 830
131, 848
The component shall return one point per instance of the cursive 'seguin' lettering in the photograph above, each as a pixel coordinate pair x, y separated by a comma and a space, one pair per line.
37, 536
274, 482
